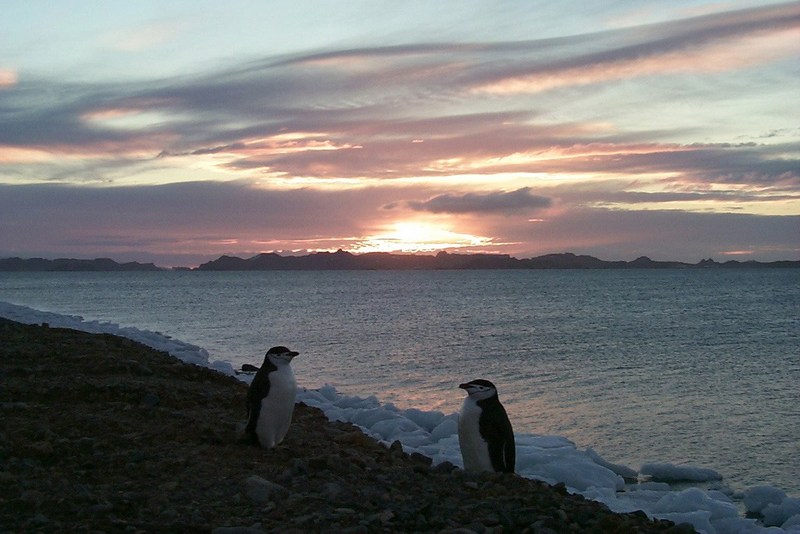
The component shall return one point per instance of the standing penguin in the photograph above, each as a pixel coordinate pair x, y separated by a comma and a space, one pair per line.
270, 399
484, 431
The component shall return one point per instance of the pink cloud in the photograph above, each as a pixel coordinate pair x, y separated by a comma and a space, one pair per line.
144, 36
717, 56
8, 78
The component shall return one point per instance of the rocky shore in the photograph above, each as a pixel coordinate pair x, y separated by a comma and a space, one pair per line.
102, 434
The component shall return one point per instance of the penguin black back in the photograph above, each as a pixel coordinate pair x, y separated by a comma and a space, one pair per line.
494, 424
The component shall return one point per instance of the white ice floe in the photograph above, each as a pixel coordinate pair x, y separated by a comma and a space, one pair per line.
683, 473
553, 459
183, 351
759, 497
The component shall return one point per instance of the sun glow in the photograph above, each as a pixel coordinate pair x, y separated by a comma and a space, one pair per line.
8, 78
418, 237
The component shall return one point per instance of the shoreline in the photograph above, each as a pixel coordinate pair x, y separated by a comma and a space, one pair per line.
103, 433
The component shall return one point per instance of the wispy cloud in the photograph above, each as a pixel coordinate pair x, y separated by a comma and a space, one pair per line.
143, 36
709, 43
521, 200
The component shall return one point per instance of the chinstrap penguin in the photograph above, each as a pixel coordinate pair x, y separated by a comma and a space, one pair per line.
485, 435
270, 399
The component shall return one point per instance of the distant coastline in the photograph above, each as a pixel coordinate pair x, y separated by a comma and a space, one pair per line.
341, 260
70, 264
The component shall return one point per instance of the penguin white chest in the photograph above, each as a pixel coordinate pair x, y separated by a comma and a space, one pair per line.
277, 407
474, 449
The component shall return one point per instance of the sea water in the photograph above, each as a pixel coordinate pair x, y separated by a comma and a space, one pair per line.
696, 366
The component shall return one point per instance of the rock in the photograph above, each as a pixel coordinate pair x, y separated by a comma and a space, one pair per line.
150, 400
101, 507
299, 467
137, 368
34, 497
44, 448
355, 437
261, 491
40, 519
421, 458
237, 530
682, 528
317, 463
444, 468
332, 490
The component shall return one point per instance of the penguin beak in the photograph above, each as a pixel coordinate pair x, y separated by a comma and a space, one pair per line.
287, 356
464, 386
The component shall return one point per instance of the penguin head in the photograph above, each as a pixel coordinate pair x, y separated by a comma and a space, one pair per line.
479, 389
280, 355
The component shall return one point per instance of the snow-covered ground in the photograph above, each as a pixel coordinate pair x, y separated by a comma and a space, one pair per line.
679, 493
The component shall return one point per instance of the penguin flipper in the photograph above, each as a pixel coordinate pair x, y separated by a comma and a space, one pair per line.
259, 388
502, 451
510, 455
253, 411
502, 454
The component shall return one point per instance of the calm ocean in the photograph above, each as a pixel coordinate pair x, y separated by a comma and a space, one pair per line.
696, 367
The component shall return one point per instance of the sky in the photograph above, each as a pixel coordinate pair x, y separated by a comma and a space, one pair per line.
175, 132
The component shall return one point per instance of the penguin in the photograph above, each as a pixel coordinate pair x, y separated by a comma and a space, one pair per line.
270, 399
485, 435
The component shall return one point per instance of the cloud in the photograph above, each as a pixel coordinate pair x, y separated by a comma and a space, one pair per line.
193, 215
302, 92
144, 36
8, 78
708, 43
660, 234
696, 163
505, 202
639, 196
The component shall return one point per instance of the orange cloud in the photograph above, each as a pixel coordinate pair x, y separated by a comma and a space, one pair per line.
8, 78
15, 154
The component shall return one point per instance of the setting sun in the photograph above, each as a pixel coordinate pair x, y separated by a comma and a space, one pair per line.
418, 237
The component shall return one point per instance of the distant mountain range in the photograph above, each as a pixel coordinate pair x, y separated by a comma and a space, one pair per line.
341, 260
66, 264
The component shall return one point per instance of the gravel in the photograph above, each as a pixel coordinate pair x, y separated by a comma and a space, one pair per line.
102, 434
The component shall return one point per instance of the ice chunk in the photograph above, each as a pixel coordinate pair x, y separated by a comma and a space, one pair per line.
621, 470
757, 498
777, 514
665, 472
